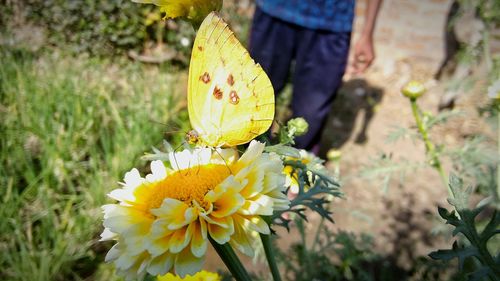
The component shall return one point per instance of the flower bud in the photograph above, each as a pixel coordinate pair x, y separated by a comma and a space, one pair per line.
413, 90
298, 126
334, 155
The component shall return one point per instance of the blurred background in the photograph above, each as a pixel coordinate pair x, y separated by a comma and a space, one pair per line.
87, 87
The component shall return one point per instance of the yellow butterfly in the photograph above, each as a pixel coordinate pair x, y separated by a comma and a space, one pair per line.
230, 97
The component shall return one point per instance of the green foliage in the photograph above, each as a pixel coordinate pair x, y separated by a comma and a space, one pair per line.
386, 168
477, 48
347, 256
70, 129
100, 27
339, 256
487, 10
476, 162
316, 189
464, 220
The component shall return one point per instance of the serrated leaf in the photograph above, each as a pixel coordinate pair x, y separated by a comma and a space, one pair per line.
444, 213
465, 224
283, 150
492, 228
456, 252
460, 195
156, 156
400, 133
442, 117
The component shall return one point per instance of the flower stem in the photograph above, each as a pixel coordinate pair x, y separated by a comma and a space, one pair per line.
231, 260
271, 261
429, 146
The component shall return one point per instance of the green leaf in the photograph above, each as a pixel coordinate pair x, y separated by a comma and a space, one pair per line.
461, 195
283, 150
465, 224
456, 252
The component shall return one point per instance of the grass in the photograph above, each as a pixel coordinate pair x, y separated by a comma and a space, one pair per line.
70, 128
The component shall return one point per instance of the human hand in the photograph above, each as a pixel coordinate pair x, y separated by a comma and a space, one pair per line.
363, 55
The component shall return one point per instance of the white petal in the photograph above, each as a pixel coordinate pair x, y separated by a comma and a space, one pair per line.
122, 194
107, 235
254, 150
186, 263
224, 156
133, 179
158, 171
113, 253
188, 159
161, 264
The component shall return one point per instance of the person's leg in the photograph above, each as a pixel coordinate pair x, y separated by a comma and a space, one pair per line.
271, 45
320, 64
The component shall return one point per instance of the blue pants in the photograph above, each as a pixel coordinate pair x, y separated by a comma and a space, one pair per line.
320, 61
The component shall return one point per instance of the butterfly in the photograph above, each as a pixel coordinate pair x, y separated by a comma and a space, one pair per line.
230, 97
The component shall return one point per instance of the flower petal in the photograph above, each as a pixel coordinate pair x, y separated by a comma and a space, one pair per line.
177, 213
114, 252
199, 238
254, 150
187, 263
180, 239
119, 219
222, 231
158, 171
241, 239
258, 224
227, 204
259, 205
161, 265
107, 235
190, 158
133, 179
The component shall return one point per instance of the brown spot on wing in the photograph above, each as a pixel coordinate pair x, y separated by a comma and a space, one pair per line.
200, 48
230, 80
205, 77
217, 93
233, 97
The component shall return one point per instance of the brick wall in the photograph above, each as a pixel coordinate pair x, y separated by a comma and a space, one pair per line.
407, 29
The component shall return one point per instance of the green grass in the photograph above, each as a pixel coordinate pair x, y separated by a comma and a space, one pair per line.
70, 128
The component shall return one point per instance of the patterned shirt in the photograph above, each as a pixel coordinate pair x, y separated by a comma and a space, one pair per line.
332, 15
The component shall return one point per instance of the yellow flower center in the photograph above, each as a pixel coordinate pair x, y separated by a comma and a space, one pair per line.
188, 185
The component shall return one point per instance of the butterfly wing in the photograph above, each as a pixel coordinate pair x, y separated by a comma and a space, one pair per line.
230, 97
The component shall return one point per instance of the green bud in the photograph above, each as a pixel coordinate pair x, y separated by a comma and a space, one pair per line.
413, 90
298, 126
334, 154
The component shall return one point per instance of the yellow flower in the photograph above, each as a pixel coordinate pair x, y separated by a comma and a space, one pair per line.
199, 276
193, 10
162, 221
291, 176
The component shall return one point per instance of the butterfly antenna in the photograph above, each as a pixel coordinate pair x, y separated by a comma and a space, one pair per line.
225, 162
173, 153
